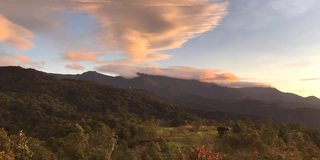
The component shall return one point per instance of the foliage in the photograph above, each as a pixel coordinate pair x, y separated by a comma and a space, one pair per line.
21, 147
198, 153
44, 118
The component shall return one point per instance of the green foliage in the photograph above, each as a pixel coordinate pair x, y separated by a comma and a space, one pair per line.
264, 140
21, 147
43, 118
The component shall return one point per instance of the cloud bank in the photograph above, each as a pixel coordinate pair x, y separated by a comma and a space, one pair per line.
203, 75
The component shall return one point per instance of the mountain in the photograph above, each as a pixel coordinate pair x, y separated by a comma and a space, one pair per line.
33, 96
167, 86
201, 99
195, 95
43, 117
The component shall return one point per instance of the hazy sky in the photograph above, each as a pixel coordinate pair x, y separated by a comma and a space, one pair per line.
231, 42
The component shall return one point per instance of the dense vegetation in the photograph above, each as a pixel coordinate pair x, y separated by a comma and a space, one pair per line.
42, 117
208, 97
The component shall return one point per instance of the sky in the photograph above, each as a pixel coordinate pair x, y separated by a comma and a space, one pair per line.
235, 43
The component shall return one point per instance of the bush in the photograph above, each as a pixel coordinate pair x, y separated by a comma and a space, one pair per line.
198, 153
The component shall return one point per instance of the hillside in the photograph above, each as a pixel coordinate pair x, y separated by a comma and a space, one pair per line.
53, 111
45, 118
208, 97
175, 87
27, 85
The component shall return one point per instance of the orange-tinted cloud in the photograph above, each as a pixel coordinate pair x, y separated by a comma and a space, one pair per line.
14, 35
141, 28
80, 56
75, 66
310, 79
203, 75
39, 16
19, 60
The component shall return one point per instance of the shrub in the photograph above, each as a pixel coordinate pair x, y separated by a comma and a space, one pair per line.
198, 153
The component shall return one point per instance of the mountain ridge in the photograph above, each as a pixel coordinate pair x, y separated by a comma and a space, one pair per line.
207, 97
249, 91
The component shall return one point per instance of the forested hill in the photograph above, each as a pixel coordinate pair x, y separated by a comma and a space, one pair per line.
46, 118
42, 94
54, 110
174, 87
208, 97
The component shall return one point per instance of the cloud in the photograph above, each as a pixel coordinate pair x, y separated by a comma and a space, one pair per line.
141, 28
15, 35
38, 16
19, 60
75, 66
43, 19
311, 79
203, 75
80, 56
291, 8
138, 28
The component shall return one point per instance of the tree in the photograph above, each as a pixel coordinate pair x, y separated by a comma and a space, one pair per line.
222, 131
75, 144
283, 134
6, 152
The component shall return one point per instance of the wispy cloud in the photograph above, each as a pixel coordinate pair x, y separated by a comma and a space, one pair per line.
19, 60
15, 35
292, 7
78, 56
38, 16
75, 66
310, 79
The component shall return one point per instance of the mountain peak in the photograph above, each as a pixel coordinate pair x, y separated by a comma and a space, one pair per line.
92, 73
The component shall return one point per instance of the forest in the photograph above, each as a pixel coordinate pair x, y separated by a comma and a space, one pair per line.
46, 118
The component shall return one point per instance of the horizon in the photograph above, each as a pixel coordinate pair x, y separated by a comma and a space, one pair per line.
237, 43
138, 74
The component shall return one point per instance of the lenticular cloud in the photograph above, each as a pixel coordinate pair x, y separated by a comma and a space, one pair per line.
141, 28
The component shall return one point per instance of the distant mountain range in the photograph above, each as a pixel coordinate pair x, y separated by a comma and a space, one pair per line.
209, 97
174, 88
